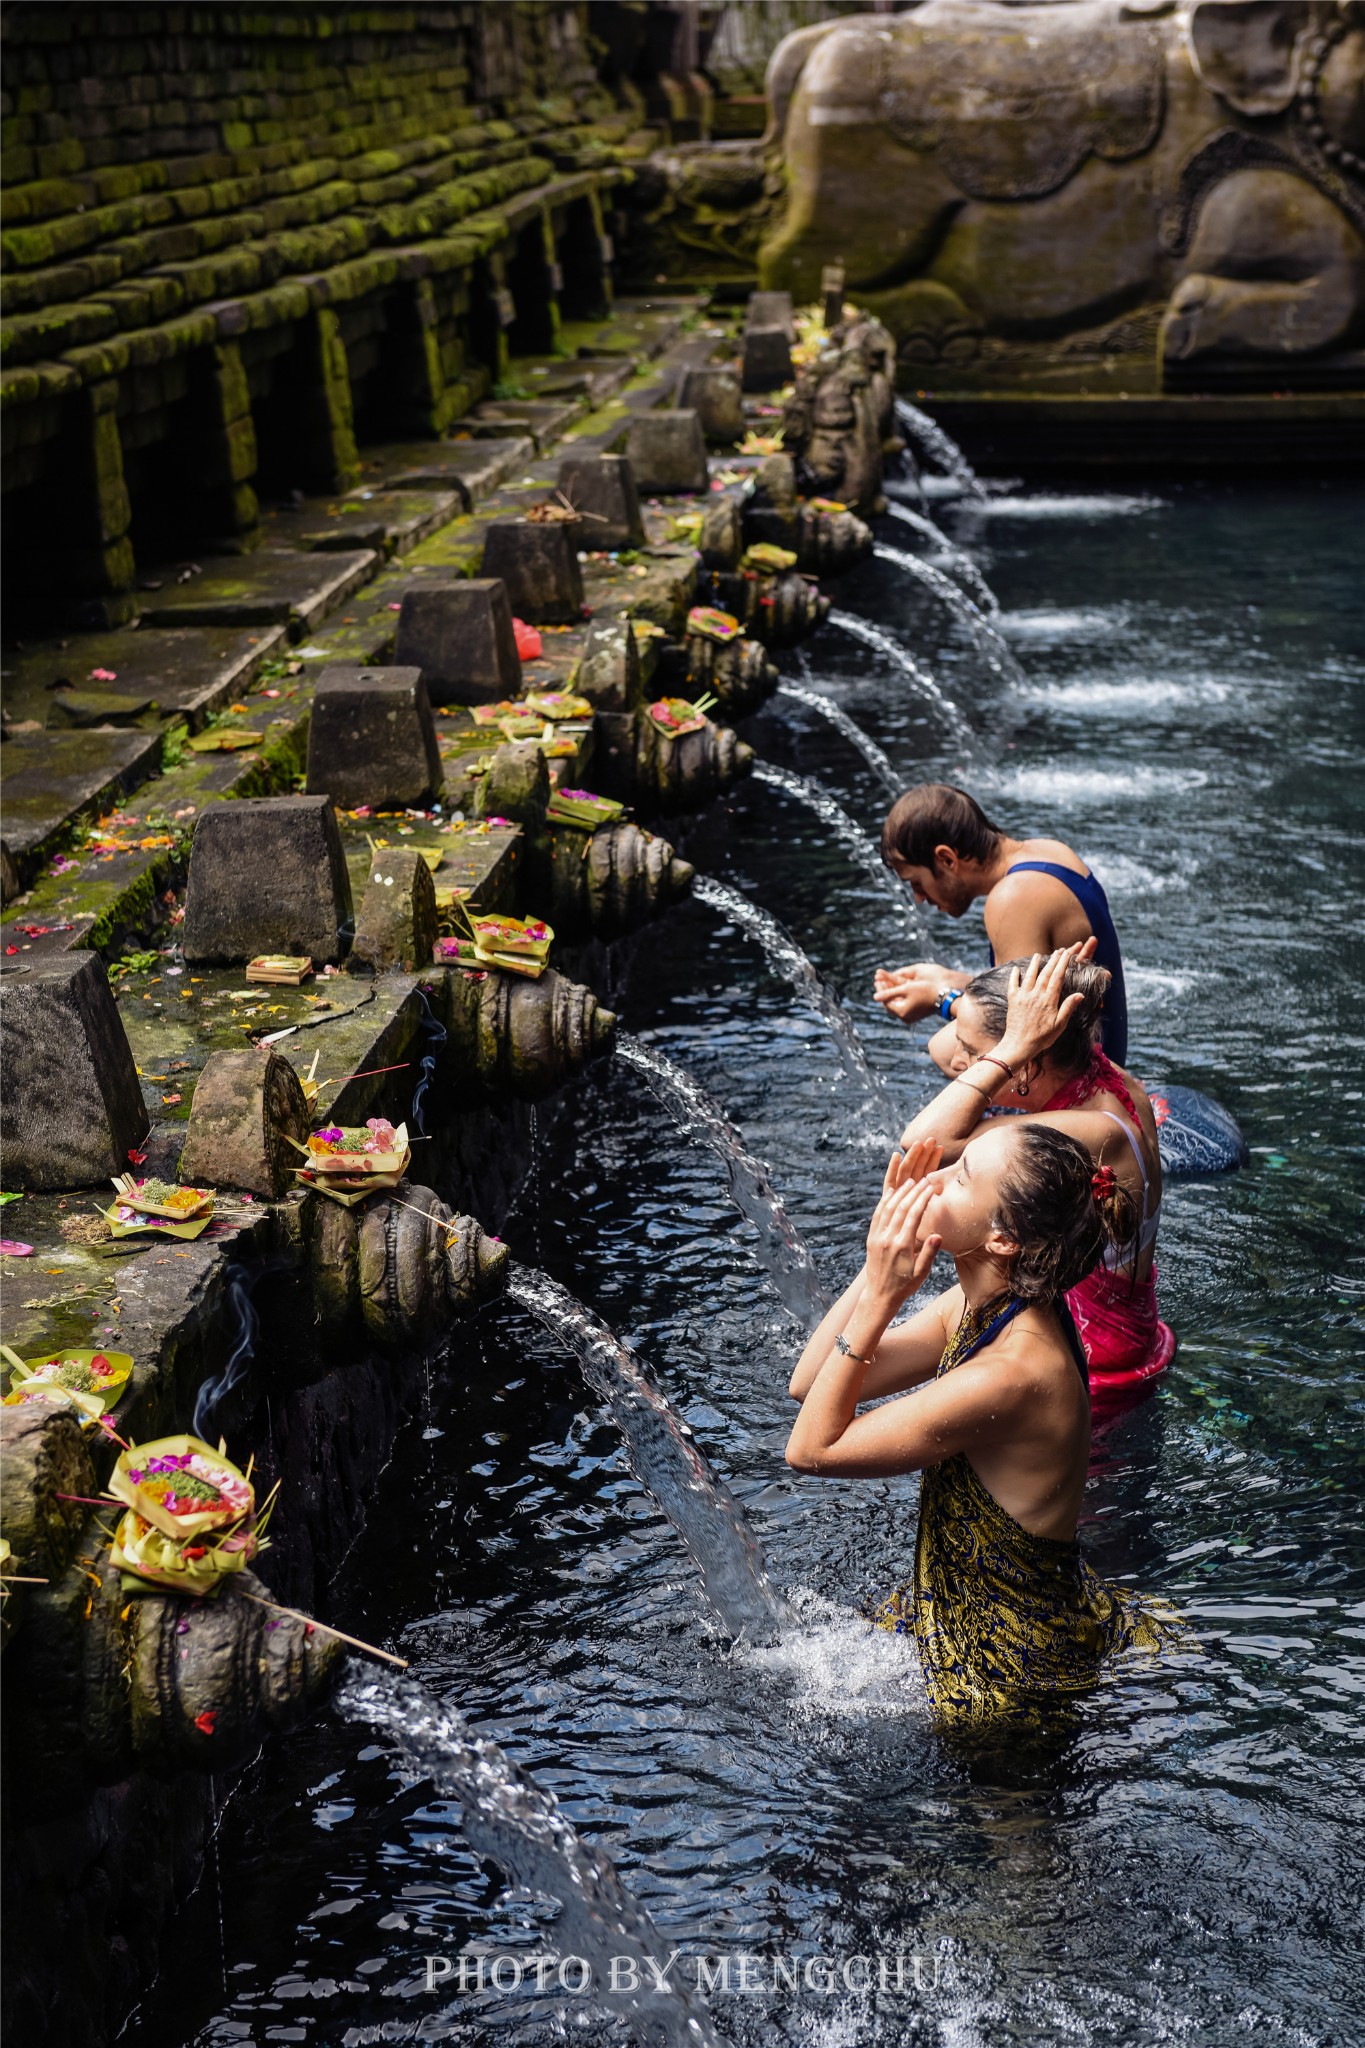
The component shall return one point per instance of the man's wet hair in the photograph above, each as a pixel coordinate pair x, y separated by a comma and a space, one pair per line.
937, 814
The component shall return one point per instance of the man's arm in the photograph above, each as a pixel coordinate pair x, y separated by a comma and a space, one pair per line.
913, 992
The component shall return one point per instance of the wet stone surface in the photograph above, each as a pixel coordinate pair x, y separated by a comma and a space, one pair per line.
265, 589
389, 521
474, 467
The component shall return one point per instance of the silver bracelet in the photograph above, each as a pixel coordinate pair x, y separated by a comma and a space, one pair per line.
841, 1343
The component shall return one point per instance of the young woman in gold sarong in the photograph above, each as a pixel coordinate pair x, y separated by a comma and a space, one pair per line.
1010, 1621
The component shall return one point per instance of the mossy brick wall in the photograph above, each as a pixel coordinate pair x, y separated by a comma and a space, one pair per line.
232, 238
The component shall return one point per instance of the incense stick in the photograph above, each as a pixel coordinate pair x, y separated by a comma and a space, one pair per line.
311, 1621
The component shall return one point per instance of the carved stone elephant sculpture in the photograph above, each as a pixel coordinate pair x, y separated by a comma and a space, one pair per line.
1117, 178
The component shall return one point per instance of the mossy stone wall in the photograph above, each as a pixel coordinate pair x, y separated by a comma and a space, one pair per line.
263, 231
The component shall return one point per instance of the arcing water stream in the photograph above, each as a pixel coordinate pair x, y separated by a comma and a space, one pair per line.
517, 1824
785, 956
939, 446
850, 834
955, 724
959, 561
879, 762
995, 652
665, 1459
787, 1260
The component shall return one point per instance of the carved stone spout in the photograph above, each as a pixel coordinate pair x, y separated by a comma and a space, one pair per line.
525, 1038
824, 541
396, 1268
737, 672
612, 881
100, 1681
778, 610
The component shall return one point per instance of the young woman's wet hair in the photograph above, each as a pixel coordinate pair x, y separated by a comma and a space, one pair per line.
1070, 1053
937, 814
1050, 1207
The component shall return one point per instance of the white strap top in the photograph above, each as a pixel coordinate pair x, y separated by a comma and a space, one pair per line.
1119, 1256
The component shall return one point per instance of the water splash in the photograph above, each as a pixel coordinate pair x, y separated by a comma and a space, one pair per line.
880, 763
665, 1460
787, 1258
960, 732
521, 1827
850, 834
240, 1281
1072, 505
787, 959
961, 562
435, 1033
939, 446
987, 639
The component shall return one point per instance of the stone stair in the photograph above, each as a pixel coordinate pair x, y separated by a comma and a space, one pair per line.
236, 245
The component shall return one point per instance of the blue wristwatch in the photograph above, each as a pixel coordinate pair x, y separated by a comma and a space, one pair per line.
946, 998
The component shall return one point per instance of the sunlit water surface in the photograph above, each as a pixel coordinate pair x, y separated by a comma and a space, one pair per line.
1186, 1868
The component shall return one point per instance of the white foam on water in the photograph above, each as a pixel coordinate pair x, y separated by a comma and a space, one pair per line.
1046, 624
1131, 699
1120, 875
836, 1663
1072, 785
1071, 505
1156, 981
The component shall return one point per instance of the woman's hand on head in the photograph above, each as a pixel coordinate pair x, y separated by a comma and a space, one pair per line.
1038, 1010
898, 1257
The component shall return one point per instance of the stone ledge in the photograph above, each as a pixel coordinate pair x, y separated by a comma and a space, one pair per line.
265, 589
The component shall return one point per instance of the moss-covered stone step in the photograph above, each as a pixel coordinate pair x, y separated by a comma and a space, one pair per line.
592, 377
269, 588
391, 522
51, 777
116, 872
476, 466
544, 420
188, 673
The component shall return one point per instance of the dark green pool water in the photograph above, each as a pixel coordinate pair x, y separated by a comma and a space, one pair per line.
1187, 1867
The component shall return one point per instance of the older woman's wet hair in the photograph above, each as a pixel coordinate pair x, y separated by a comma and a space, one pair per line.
1048, 1205
1070, 1053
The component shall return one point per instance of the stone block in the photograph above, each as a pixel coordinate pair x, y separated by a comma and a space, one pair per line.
721, 540
667, 451
767, 358
371, 739
247, 1106
771, 309
72, 1103
601, 489
538, 561
516, 785
712, 391
397, 925
832, 280
460, 636
609, 667
267, 875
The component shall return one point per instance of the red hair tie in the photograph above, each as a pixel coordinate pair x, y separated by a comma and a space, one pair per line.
1102, 1183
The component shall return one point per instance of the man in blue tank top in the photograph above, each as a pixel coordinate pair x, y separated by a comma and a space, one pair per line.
1039, 895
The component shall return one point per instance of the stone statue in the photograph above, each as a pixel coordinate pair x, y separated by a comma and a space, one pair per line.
1125, 179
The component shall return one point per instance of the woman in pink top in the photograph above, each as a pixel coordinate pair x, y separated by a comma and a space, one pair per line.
1027, 1031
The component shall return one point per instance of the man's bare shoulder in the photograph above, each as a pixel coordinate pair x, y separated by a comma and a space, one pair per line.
1055, 850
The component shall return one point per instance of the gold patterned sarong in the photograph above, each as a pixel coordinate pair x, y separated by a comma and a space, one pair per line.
1011, 1627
